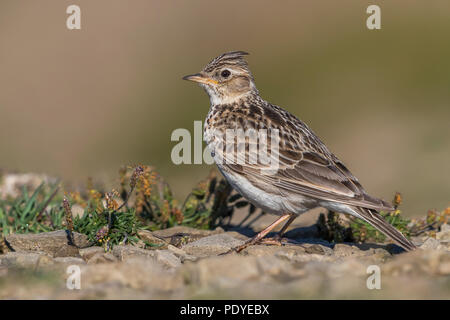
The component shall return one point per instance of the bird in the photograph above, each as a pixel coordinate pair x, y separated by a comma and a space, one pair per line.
307, 174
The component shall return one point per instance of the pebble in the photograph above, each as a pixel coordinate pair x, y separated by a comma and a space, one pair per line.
196, 269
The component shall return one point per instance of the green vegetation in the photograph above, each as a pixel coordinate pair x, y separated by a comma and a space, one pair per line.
335, 228
31, 212
145, 201
339, 228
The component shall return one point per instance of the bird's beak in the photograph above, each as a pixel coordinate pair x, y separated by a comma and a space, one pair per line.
200, 78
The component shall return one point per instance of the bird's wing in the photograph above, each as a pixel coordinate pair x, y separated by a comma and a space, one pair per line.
304, 166
329, 182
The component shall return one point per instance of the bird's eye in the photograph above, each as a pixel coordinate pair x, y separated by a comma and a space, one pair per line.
225, 73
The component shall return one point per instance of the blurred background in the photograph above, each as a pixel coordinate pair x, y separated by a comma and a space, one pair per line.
82, 103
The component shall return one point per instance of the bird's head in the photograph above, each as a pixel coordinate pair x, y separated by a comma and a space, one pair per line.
226, 79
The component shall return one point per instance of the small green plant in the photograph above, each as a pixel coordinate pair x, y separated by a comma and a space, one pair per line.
362, 231
338, 229
109, 227
430, 224
31, 212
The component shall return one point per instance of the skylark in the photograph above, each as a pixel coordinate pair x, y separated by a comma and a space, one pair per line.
308, 175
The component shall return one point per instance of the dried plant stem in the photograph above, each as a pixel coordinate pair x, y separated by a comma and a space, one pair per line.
138, 171
41, 212
69, 221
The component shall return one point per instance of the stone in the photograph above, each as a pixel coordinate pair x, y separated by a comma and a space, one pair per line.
287, 251
182, 235
444, 234
139, 244
318, 249
416, 264
102, 257
311, 269
163, 257
11, 184
444, 268
261, 250
89, 252
289, 255
181, 254
69, 261
148, 236
54, 243
430, 243
176, 251
212, 245
378, 254
167, 233
225, 271
167, 258
281, 269
25, 259
444, 245
77, 211
344, 250
3, 271
238, 235
351, 266
124, 252
138, 273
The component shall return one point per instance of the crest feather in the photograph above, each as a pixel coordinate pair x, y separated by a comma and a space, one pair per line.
235, 58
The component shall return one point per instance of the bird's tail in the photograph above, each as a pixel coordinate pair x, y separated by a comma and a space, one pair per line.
377, 221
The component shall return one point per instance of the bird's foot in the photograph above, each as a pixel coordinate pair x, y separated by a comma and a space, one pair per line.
277, 240
241, 247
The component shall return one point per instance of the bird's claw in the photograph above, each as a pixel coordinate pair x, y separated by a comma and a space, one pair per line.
277, 240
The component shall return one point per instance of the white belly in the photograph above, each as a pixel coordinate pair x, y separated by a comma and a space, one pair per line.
270, 203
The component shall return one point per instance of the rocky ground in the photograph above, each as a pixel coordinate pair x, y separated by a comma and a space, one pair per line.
187, 264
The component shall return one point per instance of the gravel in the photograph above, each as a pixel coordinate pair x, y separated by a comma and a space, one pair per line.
194, 268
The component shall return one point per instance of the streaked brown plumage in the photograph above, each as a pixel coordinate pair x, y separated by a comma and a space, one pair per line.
308, 174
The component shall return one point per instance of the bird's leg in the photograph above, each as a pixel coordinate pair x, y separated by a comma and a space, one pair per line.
263, 233
277, 240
